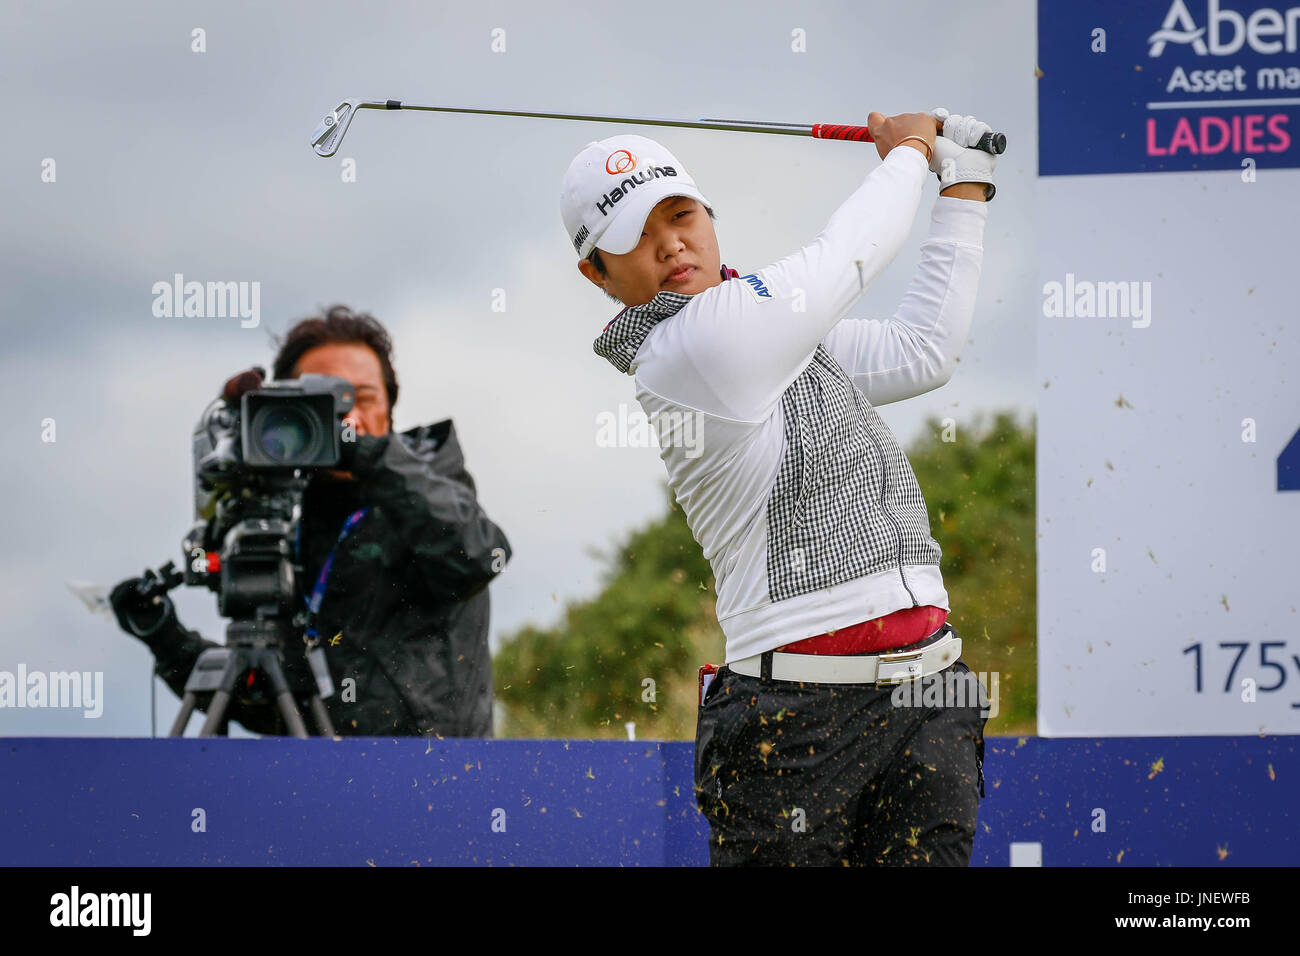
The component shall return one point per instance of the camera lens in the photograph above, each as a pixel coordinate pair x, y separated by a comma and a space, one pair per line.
285, 434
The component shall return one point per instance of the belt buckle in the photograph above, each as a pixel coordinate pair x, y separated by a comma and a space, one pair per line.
908, 664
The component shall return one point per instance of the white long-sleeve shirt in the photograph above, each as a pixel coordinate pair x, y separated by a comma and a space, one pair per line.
799, 495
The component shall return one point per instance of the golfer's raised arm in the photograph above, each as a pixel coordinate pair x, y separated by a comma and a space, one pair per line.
859, 241
917, 349
757, 347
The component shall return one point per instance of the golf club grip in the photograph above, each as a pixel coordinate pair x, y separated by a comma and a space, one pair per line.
859, 134
995, 143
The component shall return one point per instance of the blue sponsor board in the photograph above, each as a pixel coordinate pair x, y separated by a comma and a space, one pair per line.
1167, 801
1167, 85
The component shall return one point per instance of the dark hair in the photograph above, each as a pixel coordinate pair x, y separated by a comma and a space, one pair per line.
594, 256
338, 324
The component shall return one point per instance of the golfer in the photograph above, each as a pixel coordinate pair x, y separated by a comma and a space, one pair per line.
829, 590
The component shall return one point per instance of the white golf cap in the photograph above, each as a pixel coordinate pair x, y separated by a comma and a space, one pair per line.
611, 187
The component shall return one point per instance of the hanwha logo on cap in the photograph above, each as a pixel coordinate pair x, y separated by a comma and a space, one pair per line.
622, 162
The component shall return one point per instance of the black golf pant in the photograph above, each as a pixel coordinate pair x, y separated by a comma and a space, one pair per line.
841, 774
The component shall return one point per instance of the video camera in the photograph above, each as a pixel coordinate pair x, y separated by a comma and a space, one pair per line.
251, 466
254, 456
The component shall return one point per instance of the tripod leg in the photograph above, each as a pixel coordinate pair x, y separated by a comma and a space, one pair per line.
283, 697
289, 711
323, 725
216, 710
183, 718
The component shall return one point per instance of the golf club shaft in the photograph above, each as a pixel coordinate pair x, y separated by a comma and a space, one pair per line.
331, 131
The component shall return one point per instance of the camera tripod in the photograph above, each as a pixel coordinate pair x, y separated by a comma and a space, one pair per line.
252, 647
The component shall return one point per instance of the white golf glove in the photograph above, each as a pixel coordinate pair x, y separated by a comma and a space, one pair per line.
954, 160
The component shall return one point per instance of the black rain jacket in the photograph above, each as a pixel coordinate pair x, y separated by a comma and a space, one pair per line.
405, 612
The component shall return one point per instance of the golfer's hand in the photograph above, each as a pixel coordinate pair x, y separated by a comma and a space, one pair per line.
964, 172
965, 131
889, 131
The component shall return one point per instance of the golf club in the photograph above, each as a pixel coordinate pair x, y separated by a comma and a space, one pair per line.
329, 134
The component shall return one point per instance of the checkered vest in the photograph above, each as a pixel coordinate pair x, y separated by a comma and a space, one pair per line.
845, 502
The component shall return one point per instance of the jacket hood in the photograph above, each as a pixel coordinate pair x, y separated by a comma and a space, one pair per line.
438, 445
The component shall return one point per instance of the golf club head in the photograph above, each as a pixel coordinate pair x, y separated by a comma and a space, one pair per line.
329, 134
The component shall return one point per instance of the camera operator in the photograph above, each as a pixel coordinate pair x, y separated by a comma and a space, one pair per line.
404, 617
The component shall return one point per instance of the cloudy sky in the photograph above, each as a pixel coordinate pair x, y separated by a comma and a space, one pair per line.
168, 161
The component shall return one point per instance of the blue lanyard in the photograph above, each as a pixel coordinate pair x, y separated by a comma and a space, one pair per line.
318, 592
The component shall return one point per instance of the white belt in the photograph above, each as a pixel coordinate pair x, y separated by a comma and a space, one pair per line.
885, 669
